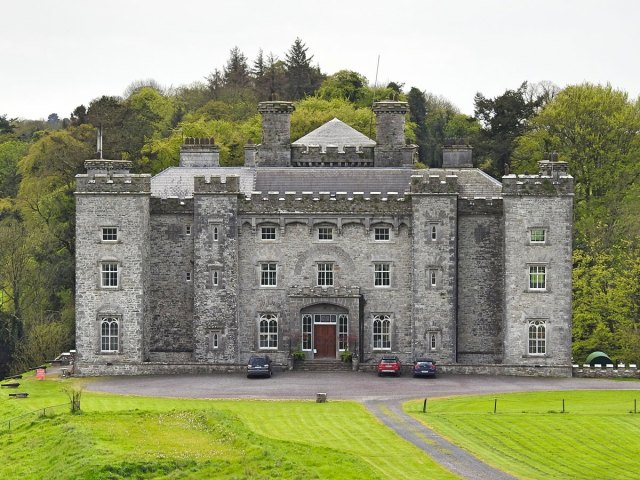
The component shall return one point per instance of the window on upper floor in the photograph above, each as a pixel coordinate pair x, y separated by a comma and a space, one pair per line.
215, 278
268, 274
382, 274
109, 275
187, 230
325, 233
537, 277
109, 234
382, 234
214, 233
537, 235
537, 337
325, 274
268, 233
433, 232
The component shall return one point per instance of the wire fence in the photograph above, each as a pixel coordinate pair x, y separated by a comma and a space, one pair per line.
41, 412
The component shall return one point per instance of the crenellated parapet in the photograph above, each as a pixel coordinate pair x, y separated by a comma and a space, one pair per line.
113, 183
171, 205
216, 184
434, 184
308, 202
331, 156
276, 107
390, 106
199, 152
538, 185
101, 165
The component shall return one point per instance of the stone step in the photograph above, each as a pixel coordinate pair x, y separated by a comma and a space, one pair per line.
322, 366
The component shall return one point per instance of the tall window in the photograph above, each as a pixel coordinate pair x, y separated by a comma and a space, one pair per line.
268, 331
215, 278
434, 233
537, 337
268, 233
109, 335
187, 230
109, 275
433, 278
215, 340
325, 274
109, 234
537, 277
381, 234
343, 332
382, 275
382, 332
307, 327
433, 342
215, 234
325, 233
537, 235
268, 274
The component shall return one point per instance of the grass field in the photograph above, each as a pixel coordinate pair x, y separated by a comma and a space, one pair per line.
137, 437
597, 436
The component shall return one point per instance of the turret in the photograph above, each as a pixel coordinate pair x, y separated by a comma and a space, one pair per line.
391, 149
275, 150
199, 152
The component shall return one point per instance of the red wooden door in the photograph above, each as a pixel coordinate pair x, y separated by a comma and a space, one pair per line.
325, 341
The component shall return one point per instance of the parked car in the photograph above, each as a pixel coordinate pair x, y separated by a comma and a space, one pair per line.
389, 364
424, 367
259, 366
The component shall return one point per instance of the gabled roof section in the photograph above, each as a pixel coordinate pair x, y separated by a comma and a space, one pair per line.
337, 133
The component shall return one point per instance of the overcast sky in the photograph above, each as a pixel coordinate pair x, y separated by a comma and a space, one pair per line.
56, 55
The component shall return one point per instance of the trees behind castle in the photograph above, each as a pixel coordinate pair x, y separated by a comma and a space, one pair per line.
594, 128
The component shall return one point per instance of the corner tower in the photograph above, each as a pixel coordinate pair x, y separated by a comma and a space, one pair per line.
391, 149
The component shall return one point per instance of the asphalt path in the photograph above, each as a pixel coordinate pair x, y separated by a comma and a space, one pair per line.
383, 397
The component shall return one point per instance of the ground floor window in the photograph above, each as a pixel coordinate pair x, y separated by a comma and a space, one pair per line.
268, 331
537, 337
343, 332
382, 332
109, 331
307, 329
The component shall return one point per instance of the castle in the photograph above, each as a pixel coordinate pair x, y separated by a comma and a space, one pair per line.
333, 243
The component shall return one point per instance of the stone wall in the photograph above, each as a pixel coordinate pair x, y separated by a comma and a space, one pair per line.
480, 281
607, 371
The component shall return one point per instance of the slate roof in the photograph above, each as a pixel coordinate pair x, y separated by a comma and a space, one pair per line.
335, 132
178, 181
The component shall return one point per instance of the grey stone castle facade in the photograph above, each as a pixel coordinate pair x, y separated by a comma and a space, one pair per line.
329, 244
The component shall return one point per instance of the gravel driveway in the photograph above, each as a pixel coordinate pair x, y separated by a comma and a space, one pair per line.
382, 396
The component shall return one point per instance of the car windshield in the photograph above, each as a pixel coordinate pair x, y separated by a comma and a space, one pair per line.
389, 360
257, 362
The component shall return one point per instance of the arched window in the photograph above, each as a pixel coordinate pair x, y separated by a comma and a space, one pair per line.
433, 341
382, 332
268, 331
215, 340
109, 334
537, 337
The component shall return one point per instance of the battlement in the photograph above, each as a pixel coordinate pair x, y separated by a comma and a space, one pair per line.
309, 202
198, 142
276, 107
171, 205
113, 183
199, 152
216, 184
297, 291
331, 156
539, 185
390, 106
102, 165
434, 184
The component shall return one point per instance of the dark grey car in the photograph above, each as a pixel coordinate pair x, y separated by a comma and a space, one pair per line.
259, 366
424, 367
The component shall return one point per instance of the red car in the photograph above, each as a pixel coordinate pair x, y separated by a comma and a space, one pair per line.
389, 365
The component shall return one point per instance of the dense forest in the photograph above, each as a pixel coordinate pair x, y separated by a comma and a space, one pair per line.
595, 128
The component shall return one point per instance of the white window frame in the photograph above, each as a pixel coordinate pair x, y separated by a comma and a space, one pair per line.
108, 232
343, 332
307, 332
325, 234
433, 232
187, 230
382, 234
381, 332
537, 337
109, 340
537, 278
215, 277
382, 274
215, 233
433, 342
188, 276
109, 274
215, 340
268, 233
268, 274
433, 277
268, 331
534, 236
325, 274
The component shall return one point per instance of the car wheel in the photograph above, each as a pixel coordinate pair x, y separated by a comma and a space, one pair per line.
270, 373
379, 374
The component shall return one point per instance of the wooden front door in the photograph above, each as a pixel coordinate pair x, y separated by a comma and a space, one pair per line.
324, 341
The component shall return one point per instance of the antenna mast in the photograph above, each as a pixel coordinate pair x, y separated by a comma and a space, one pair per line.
99, 145
375, 84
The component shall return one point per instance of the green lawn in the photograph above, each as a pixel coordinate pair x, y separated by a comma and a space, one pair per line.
598, 436
137, 437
